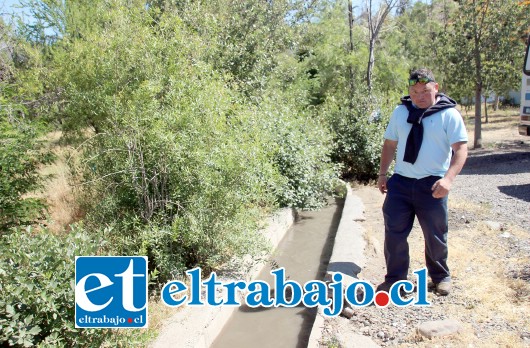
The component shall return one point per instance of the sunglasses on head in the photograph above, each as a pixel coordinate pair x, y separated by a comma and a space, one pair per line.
412, 82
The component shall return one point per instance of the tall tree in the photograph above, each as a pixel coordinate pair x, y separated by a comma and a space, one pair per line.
419, 31
244, 37
482, 38
375, 23
351, 47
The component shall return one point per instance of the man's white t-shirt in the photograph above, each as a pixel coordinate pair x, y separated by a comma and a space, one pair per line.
440, 131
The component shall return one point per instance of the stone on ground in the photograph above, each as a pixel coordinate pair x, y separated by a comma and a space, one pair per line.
439, 328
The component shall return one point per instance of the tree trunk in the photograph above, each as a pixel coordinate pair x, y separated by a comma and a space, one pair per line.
350, 18
370, 65
478, 118
350, 68
496, 103
478, 91
374, 28
486, 107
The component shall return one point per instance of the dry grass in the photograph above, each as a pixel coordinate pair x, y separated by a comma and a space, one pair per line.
158, 313
483, 261
463, 205
491, 297
64, 209
59, 195
493, 305
501, 128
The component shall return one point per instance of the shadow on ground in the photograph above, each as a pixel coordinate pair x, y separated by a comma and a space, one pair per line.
513, 160
521, 192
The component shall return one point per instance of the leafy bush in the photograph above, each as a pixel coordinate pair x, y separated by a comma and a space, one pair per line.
37, 284
358, 135
175, 170
20, 157
301, 154
181, 167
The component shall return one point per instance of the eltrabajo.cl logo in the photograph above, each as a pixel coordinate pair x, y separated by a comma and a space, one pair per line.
111, 292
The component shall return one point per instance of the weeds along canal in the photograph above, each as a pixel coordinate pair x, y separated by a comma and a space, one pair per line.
304, 252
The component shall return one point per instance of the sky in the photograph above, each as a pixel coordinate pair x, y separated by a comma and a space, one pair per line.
7, 8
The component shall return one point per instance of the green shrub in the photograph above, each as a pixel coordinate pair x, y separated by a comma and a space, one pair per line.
358, 135
301, 155
181, 167
37, 285
183, 190
174, 171
20, 158
179, 164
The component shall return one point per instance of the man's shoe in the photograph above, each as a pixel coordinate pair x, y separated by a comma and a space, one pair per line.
443, 288
431, 286
385, 286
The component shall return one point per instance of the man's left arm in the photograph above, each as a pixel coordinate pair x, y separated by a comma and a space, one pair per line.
441, 187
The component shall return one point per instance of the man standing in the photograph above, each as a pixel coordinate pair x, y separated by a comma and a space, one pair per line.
431, 142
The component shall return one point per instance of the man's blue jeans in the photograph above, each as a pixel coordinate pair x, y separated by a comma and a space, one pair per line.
405, 199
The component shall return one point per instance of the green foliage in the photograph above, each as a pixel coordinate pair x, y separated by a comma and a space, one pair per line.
358, 135
244, 37
178, 167
20, 157
36, 280
21, 153
333, 78
301, 155
330, 69
421, 28
484, 49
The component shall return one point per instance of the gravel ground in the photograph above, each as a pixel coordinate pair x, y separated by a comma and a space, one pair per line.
499, 178
489, 229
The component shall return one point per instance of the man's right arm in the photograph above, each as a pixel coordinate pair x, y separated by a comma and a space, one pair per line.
387, 156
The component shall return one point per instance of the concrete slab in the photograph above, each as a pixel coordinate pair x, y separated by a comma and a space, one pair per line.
348, 258
348, 250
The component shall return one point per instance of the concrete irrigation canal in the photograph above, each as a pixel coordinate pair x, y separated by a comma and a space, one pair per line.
314, 247
304, 252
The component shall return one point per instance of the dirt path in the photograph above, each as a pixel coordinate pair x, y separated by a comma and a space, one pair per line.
489, 256
491, 284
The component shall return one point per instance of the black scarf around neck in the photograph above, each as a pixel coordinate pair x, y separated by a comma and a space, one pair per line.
415, 117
